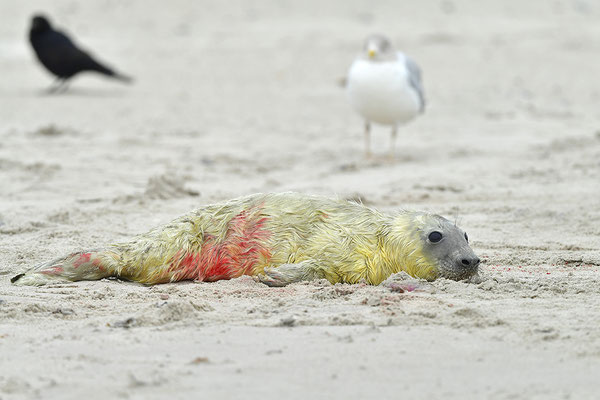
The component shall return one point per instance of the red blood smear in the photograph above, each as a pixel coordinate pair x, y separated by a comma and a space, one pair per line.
85, 257
52, 271
96, 263
242, 248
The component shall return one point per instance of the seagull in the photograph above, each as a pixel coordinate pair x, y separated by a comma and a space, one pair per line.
384, 87
61, 56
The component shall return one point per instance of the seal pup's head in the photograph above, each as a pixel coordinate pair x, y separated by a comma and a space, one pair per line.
433, 247
378, 48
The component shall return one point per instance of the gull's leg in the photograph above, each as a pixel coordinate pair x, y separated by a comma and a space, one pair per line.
393, 141
367, 138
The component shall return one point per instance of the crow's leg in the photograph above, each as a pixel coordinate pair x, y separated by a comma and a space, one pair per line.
64, 85
56, 85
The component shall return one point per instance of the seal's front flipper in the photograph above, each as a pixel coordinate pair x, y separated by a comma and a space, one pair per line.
74, 267
285, 274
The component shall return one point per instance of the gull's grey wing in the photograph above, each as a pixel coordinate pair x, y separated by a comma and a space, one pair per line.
414, 78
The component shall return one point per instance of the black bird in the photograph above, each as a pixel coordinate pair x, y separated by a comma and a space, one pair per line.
61, 56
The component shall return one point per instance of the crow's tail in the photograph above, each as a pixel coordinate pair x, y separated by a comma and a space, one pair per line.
121, 77
103, 69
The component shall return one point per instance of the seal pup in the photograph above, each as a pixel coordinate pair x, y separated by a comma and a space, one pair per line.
280, 239
384, 87
61, 56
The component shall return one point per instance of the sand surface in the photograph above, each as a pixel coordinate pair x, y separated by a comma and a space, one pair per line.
233, 98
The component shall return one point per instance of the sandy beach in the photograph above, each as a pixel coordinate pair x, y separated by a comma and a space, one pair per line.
234, 98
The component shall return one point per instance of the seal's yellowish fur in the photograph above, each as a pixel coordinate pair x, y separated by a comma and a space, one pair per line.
307, 236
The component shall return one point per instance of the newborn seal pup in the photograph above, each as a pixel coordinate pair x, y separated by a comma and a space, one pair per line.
280, 239
384, 86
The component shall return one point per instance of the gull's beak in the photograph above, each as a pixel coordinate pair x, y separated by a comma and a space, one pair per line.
371, 53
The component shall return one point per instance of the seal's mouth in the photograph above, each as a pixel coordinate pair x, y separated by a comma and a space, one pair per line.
463, 269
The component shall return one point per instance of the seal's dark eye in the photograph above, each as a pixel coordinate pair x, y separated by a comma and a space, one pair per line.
466, 237
435, 237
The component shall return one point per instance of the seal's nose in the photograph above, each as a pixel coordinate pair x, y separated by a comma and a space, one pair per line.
470, 262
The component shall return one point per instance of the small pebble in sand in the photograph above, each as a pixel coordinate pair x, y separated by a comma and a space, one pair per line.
126, 323
199, 360
289, 321
63, 311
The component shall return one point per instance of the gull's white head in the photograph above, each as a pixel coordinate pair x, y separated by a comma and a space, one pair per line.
378, 48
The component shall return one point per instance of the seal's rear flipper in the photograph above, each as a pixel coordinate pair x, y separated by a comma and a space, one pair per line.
285, 274
74, 267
